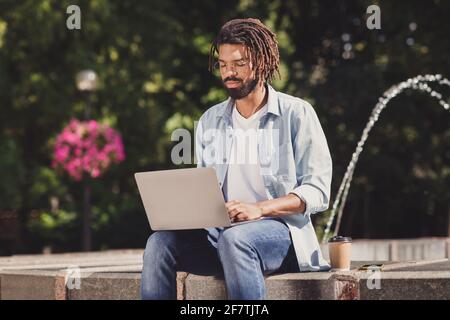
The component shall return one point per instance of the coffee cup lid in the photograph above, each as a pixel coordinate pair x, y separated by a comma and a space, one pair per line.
340, 239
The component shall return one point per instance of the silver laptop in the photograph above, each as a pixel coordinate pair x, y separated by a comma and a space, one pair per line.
183, 199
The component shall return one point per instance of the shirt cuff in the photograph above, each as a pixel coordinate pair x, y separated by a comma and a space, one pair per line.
310, 196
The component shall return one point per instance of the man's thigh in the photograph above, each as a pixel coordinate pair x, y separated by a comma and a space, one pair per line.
271, 240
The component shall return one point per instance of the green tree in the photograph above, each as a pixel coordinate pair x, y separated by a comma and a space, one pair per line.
152, 61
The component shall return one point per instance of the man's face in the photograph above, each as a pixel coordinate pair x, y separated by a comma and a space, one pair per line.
236, 70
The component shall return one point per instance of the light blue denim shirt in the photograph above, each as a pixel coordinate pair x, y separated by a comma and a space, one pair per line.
294, 158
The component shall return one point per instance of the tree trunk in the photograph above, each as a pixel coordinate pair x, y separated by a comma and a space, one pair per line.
87, 237
448, 221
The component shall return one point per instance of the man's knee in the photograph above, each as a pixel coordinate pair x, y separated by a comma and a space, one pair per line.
233, 239
159, 240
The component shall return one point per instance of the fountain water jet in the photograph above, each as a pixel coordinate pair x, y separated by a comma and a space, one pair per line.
418, 83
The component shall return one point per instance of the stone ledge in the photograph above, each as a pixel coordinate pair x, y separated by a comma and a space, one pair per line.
291, 286
32, 285
117, 276
104, 275
397, 281
406, 285
107, 286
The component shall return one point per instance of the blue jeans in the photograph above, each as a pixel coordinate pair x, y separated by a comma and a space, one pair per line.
242, 254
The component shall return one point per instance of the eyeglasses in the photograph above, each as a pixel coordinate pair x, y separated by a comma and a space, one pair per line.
236, 65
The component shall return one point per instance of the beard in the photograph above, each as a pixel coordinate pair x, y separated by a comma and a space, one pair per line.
244, 90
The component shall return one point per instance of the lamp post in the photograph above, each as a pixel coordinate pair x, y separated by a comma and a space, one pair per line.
87, 82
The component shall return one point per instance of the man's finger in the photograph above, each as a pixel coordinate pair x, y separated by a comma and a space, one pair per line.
233, 206
234, 212
230, 203
240, 217
235, 218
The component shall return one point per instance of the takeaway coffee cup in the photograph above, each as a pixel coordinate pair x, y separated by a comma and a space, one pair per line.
340, 250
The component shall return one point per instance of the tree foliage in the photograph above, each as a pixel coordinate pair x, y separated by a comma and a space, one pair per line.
152, 57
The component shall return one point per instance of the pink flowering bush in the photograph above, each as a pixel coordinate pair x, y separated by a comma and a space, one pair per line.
87, 147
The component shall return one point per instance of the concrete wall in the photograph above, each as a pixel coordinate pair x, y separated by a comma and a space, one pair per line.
398, 250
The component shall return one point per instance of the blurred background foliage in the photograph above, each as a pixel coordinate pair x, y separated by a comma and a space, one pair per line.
151, 57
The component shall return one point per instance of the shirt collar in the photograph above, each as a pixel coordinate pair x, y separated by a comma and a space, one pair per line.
272, 104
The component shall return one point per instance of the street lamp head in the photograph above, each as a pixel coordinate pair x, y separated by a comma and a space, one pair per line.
87, 80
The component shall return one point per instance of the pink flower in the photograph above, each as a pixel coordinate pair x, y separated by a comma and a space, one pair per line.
92, 126
61, 154
87, 148
95, 172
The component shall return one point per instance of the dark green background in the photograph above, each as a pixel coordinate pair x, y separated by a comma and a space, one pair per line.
152, 59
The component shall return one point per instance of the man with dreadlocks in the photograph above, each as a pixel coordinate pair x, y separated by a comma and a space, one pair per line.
274, 167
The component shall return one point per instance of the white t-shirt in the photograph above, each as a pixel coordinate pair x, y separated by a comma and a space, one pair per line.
243, 181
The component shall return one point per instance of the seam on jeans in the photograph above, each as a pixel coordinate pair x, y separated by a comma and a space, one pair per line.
255, 257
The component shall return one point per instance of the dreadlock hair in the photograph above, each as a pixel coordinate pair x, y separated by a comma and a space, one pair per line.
259, 40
